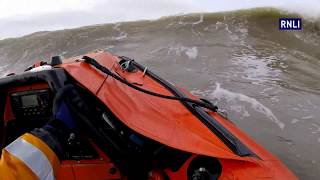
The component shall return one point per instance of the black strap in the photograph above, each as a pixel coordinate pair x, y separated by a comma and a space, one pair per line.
105, 70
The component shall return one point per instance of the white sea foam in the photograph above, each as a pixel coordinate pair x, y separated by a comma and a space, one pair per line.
122, 34
3, 67
184, 23
293, 121
200, 20
229, 96
307, 117
3, 71
181, 22
315, 128
191, 52
225, 25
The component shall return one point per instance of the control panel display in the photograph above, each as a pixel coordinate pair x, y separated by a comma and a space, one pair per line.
29, 100
33, 104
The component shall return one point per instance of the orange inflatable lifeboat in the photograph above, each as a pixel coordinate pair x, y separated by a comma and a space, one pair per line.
136, 126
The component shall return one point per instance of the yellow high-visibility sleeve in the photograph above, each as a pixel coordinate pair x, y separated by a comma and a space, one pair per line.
28, 157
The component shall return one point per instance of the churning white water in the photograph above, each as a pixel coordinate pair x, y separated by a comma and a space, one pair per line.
220, 93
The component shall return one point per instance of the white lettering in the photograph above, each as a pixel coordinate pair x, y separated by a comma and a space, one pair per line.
283, 24
289, 24
294, 24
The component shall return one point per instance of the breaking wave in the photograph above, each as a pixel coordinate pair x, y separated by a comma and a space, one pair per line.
220, 93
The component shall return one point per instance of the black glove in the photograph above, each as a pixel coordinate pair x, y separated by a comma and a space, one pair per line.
57, 131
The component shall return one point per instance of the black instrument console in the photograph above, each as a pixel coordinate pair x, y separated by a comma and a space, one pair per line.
32, 104
32, 109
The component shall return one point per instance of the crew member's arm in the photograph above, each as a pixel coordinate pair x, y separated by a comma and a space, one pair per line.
36, 155
28, 157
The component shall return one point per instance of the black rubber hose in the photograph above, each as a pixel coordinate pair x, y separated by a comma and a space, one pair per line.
105, 70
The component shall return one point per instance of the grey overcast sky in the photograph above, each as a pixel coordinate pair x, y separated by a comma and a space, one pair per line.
21, 17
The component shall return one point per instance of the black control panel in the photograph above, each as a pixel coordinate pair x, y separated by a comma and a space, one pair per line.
33, 104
